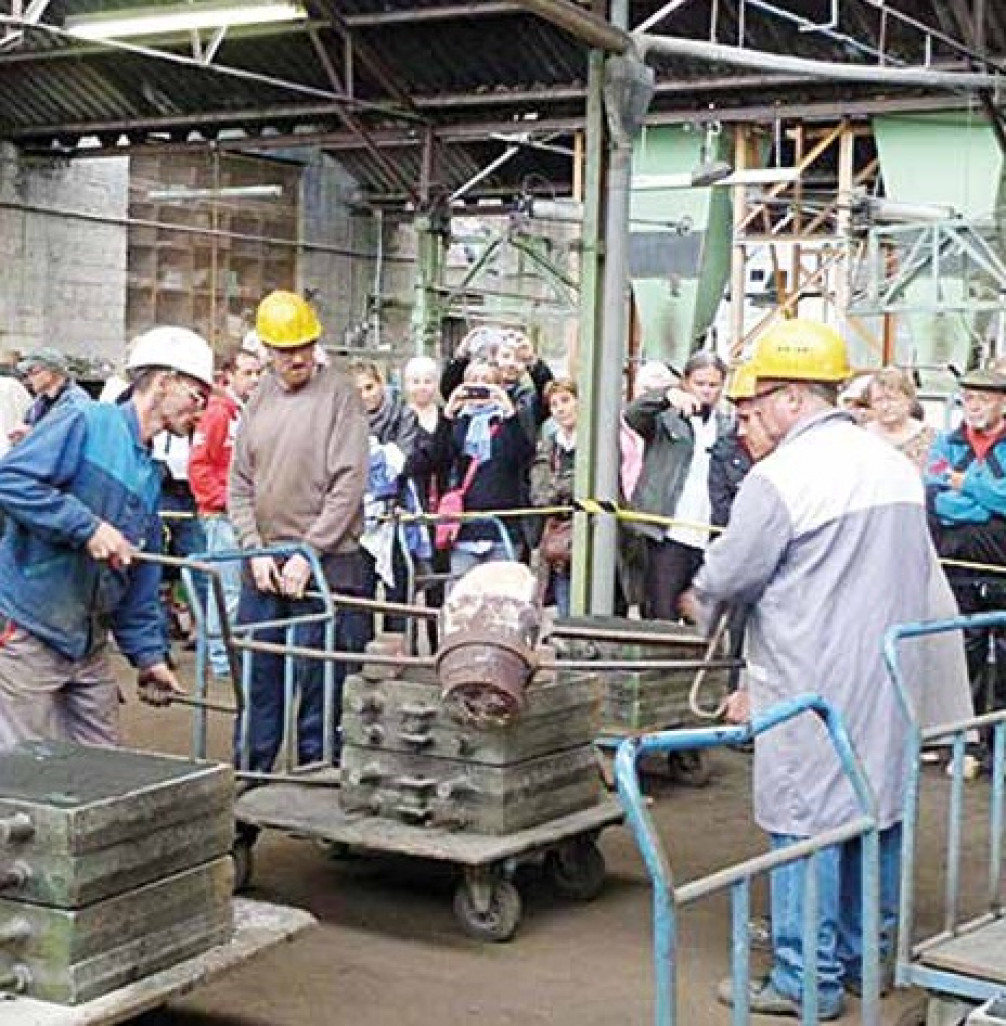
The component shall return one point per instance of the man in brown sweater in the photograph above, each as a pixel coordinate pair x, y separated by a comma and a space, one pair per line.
297, 478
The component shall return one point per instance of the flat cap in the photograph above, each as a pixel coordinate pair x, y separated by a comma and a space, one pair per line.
47, 358
984, 379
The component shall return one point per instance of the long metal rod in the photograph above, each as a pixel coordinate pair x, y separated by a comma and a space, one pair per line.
299, 651
659, 15
561, 630
587, 27
676, 46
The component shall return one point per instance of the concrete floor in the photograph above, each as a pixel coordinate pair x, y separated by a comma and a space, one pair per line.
387, 952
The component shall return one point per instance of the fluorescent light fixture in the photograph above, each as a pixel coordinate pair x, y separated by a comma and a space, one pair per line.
168, 18
170, 194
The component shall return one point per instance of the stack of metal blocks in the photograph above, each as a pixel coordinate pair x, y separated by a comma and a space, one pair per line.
405, 758
644, 699
113, 865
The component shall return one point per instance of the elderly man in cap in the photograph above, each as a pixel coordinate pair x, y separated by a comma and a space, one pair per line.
966, 498
47, 375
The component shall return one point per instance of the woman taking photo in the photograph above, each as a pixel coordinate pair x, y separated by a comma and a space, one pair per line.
679, 427
490, 450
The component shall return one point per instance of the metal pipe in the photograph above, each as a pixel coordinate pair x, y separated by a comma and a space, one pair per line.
627, 636
641, 664
658, 15
587, 27
762, 60
143, 222
298, 651
611, 356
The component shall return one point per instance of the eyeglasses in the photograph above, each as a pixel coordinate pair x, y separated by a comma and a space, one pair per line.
199, 394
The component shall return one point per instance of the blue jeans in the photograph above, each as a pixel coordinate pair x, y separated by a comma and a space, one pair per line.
265, 700
220, 538
840, 910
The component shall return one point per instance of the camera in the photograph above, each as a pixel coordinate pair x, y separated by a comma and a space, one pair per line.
476, 392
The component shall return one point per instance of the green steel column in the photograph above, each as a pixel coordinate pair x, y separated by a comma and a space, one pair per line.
431, 246
588, 368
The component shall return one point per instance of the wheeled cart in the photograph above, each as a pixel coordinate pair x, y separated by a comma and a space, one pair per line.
258, 926
961, 963
487, 904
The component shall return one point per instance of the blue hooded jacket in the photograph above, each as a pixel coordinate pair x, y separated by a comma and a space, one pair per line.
82, 464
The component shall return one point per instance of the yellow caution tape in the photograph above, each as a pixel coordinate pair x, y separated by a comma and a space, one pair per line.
590, 507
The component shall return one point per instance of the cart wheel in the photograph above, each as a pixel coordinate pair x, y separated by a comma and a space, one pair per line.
690, 768
499, 921
576, 870
244, 863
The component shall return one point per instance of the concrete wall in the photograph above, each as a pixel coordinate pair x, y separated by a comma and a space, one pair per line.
340, 282
63, 280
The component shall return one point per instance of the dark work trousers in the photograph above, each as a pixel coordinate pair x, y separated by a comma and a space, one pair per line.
979, 592
670, 568
266, 707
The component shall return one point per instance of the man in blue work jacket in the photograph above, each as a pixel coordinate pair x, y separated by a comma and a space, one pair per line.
80, 494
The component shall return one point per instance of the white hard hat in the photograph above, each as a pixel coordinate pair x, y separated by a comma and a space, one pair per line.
177, 349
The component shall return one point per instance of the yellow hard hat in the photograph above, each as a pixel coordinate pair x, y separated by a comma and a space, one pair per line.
285, 320
798, 350
742, 381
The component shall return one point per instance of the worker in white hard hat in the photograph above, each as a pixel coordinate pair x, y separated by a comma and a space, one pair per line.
80, 495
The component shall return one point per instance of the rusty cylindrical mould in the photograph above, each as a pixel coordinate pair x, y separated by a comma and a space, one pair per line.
483, 677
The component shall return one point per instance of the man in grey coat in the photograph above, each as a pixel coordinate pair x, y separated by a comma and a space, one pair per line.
828, 543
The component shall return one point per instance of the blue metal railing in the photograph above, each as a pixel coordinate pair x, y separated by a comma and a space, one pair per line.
668, 897
318, 592
911, 968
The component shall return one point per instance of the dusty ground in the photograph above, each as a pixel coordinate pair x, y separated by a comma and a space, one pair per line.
387, 952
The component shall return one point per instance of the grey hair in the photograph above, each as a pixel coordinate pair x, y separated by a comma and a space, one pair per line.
420, 365
823, 390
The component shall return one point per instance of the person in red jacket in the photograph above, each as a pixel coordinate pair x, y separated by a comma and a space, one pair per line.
209, 465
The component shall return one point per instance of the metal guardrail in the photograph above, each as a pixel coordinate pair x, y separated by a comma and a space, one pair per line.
669, 897
911, 969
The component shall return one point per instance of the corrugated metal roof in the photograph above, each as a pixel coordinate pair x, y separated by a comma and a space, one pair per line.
469, 66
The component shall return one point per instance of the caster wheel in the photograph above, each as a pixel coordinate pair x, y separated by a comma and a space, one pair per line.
576, 870
690, 768
241, 853
499, 921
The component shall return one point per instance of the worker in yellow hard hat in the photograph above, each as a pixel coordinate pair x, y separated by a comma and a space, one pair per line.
828, 544
297, 478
